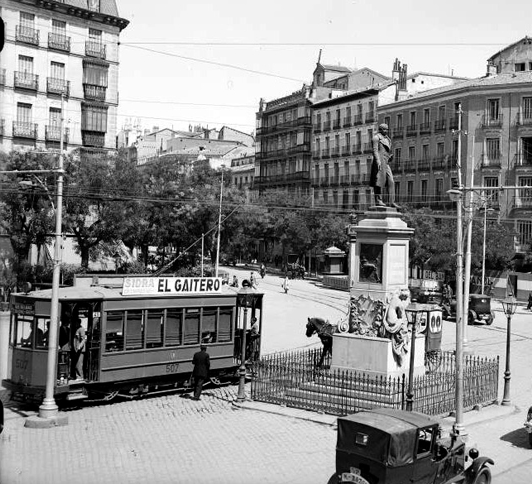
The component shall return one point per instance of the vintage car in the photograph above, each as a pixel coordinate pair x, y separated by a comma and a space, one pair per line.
528, 425
479, 309
388, 446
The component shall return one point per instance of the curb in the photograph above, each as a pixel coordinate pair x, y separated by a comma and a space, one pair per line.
471, 417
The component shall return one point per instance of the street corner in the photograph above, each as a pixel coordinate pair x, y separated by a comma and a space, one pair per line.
482, 414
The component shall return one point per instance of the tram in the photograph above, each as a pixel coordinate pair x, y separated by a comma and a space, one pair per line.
141, 334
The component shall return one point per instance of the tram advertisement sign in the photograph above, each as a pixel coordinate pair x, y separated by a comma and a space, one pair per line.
137, 286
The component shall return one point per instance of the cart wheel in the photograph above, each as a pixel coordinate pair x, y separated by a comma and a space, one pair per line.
483, 477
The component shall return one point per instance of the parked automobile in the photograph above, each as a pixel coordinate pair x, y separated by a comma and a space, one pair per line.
395, 447
428, 291
528, 425
479, 310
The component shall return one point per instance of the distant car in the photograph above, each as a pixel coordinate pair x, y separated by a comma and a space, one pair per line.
395, 447
479, 310
427, 292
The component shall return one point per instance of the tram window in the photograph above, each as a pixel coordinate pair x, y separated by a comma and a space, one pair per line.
42, 334
134, 330
224, 324
174, 323
114, 331
208, 325
154, 328
24, 335
192, 326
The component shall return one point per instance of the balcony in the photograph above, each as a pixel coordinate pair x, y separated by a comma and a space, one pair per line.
23, 129
94, 49
336, 124
325, 153
358, 119
424, 165
440, 162
345, 180
316, 154
302, 148
425, 128
523, 160
411, 130
57, 86
347, 122
368, 147
370, 117
453, 122
409, 166
335, 152
303, 120
346, 150
491, 160
489, 121
439, 125
92, 138
28, 35
324, 182
523, 200
317, 128
2, 77
53, 133
334, 180
58, 42
357, 149
298, 176
524, 119
26, 80
327, 126
398, 132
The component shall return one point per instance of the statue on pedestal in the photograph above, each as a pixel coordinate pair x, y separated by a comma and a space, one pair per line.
381, 173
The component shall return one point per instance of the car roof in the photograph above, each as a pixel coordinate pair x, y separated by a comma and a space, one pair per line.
390, 420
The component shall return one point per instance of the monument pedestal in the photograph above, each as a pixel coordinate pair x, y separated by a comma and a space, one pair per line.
374, 356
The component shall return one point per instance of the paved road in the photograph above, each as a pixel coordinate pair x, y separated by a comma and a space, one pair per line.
175, 439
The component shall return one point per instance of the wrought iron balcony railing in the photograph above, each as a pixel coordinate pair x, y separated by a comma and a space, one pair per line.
26, 80
357, 148
370, 117
491, 160
92, 138
411, 130
347, 121
425, 128
358, 119
325, 153
489, 121
53, 133
398, 132
95, 49
346, 150
25, 34
58, 42
24, 129
335, 151
439, 125
336, 124
57, 86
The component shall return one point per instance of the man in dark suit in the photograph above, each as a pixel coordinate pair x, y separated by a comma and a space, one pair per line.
381, 172
202, 364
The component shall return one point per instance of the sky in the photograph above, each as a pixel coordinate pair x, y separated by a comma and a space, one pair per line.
210, 62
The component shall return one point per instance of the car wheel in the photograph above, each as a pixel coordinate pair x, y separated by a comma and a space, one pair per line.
483, 476
471, 318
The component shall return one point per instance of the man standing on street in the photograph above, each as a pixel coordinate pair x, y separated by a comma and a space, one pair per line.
202, 364
78, 349
381, 172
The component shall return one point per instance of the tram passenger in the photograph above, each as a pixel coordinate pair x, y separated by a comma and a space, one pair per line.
235, 282
39, 338
78, 350
46, 335
202, 364
64, 335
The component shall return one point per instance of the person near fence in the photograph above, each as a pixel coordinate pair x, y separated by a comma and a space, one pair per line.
202, 364
529, 307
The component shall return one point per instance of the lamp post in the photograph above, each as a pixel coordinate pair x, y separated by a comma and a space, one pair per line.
246, 297
486, 210
412, 314
456, 196
219, 224
509, 305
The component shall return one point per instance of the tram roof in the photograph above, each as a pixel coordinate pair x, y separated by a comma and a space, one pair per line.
108, 292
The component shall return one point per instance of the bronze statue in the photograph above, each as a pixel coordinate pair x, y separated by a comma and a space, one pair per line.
381, 172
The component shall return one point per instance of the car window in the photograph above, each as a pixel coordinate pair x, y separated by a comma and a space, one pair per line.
425, 440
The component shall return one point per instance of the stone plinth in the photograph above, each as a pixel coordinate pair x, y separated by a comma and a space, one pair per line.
374, 356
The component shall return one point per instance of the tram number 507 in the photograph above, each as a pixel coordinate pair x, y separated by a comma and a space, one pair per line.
21, 364
172, 367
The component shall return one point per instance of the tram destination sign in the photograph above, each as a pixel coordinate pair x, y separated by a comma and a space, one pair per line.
138, 286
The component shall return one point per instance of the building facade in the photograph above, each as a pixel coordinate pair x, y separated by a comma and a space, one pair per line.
495, 149
60, 60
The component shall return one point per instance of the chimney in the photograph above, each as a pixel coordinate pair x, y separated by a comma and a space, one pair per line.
491, 70
396, 69
401, 90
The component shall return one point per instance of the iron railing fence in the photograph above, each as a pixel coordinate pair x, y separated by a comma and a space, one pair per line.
295, 379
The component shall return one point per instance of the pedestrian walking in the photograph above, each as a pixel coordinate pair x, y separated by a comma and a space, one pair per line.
529, 307
285, 284
202, 364
253, 281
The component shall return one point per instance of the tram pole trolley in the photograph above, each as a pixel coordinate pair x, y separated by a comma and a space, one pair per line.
141, 335
395, 447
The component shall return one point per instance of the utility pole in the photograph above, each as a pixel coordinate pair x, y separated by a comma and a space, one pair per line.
219, 224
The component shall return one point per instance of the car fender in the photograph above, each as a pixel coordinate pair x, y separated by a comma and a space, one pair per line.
475, 467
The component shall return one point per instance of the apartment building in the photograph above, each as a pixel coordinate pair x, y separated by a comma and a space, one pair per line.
60, 60
343, 129
496, 139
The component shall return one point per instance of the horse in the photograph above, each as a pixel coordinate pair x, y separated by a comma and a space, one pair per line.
324, 330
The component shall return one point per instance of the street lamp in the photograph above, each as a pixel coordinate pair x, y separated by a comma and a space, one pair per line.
509, 305
246, 298
456, 196
412, 312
